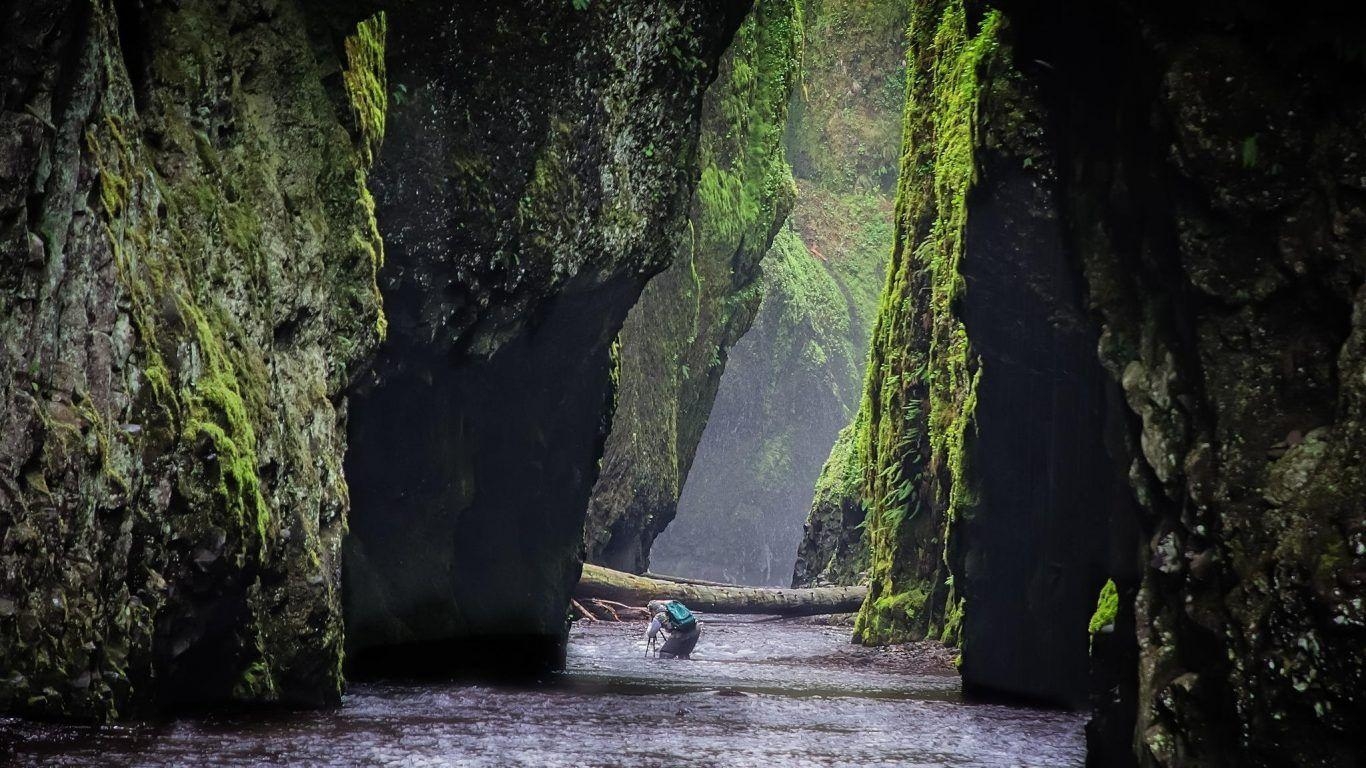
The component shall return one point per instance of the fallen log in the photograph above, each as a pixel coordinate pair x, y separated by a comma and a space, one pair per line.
606, 584
681, 580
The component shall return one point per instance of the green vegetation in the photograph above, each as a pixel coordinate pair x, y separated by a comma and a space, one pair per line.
793, 380
745, 178
672, 346
365, 82
236, 249
1107, 607
920, 391
844, 134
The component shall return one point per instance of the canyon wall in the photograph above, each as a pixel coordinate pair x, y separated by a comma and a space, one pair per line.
192, 290
188, 284
793, 380
1216, 204
988, 485
675, 342
539, 167
1176, 188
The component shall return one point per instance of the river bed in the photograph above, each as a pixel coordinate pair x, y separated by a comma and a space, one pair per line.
757, 693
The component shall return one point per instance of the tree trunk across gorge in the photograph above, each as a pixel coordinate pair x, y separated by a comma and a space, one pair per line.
606, 584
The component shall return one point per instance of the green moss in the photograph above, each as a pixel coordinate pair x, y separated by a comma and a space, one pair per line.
109, 150
1107, 606
845, 131
893, 612
841, 472
256, 683
813, 311
212, 232
366, 82
952, 623
742, 182
366, 86
921, 388
673, 342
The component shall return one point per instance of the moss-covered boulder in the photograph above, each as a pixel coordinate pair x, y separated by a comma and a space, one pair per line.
673, 347
833, 549
539, 166
188, 284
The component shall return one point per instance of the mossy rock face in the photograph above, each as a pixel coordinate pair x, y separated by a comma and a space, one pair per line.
1222, 246
833, 549
1211, 220
674, 344
920, 392
189, 283
792, 375
787, 389
844, 140
795, 377
984, 471
539, 166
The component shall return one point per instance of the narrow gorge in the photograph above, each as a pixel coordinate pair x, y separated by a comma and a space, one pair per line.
335, 338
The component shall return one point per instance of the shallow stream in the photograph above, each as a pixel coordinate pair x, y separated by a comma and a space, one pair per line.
757, 693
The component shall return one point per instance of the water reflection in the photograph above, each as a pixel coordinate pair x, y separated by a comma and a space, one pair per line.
757, 694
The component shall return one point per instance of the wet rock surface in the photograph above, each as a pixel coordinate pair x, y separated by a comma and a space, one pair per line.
188, 257
675, 342
1219, 236
1178, 183
538, 169
795, 377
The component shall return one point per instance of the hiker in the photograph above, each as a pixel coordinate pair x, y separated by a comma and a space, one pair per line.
681, 628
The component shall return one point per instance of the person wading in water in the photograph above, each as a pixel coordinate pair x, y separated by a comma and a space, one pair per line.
681, 629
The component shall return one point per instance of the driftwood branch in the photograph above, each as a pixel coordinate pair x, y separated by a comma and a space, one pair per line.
583, 612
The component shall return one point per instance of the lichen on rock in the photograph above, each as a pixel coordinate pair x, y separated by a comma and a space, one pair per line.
191, 290
920, 391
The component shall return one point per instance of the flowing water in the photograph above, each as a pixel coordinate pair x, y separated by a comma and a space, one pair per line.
757, 693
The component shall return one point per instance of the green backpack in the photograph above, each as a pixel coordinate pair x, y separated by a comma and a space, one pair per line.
679, 616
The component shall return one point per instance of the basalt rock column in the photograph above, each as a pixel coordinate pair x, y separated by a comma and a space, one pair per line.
1216, 185
1032, 547
990, 488
539, 169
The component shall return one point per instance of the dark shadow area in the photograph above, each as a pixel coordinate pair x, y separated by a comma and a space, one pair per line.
469, 479
1033, 553
1056, 515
